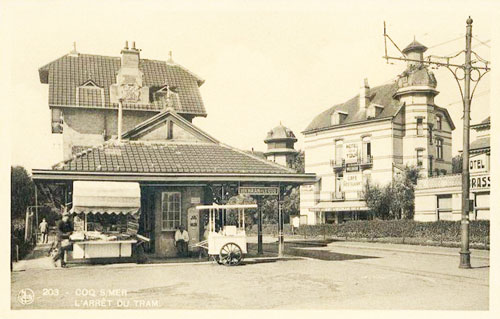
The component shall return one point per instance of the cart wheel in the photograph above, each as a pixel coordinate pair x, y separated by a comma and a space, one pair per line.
230, 254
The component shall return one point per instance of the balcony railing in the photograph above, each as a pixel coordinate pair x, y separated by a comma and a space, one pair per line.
338, 196
367, 161
337, 163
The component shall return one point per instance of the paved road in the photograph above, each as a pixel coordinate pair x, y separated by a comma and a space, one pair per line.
358, 276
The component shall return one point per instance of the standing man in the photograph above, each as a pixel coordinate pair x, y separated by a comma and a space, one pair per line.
64, 229
181, 241
44, 230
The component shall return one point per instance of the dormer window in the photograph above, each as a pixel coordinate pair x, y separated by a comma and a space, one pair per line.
338, 117
90, 94
89, 85
374, 110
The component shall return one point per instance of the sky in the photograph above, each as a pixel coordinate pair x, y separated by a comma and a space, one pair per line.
263, 62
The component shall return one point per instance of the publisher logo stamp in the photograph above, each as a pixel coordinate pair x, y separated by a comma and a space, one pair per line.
26, 296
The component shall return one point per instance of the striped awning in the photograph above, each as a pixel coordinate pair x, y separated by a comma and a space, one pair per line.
91, 197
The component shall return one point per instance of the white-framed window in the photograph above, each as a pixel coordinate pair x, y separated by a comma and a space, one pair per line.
439, 149
431, 166
444, 205
170, 210
420, 158
439, 123
170, 130
420, 126
338, 182
430, 133
338, 151
367, 149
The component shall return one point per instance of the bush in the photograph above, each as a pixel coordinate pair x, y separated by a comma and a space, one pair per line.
439, 231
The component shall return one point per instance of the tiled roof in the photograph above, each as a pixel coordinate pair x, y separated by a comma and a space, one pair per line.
480, 143
486, 120
415, 46
69, 72
168, 157
280, 132
78, 149
482, 126
381, 95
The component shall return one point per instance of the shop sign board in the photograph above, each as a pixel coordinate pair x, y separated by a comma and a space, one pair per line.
479, 182
478, 163
352, 168
267, 191
353, 182
351, 153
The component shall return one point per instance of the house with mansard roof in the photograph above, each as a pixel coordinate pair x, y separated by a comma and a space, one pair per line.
371, 137
80, 87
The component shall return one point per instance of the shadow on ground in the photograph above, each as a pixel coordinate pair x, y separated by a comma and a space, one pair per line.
304, 249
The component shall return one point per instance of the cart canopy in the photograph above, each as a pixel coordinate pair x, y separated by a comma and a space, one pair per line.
91, 197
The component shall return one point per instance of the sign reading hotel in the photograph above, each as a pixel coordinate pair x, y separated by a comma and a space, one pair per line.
259, 191
478, 164
351, 153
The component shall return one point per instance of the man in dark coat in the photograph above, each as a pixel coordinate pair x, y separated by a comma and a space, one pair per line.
64, 229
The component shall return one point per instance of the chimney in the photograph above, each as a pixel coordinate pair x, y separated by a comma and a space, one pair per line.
130, 57
364, 99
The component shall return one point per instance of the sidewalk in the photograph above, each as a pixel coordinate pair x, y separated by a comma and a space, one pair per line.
415, 249
38, 259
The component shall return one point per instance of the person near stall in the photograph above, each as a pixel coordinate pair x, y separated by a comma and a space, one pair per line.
181, 241
44, 231
64, 229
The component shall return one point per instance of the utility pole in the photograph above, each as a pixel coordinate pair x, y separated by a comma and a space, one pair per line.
464, 227
467, 95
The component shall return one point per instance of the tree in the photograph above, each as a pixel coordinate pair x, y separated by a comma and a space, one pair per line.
22, 191
299, 162
250, 217
403, 193
377, 199
456, 164
395, 200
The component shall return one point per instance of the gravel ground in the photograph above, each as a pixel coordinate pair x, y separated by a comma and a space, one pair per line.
350, 278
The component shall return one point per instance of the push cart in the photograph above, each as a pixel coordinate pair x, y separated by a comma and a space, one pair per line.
226, 244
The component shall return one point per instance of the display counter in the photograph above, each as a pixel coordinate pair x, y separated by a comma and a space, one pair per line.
102, 249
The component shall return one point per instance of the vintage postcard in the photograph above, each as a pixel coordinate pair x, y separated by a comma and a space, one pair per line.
238, 156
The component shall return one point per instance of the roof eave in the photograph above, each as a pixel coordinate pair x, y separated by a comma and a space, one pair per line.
385, 118
47, 174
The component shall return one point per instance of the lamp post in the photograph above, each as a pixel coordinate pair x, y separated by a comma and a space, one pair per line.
464, 226
467, 94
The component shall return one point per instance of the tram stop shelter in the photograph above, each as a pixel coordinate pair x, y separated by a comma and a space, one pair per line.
159, 171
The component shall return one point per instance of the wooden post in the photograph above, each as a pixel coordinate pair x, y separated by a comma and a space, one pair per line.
281, 239
259, 227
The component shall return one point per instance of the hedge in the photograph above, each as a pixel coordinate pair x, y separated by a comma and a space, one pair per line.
439, 231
